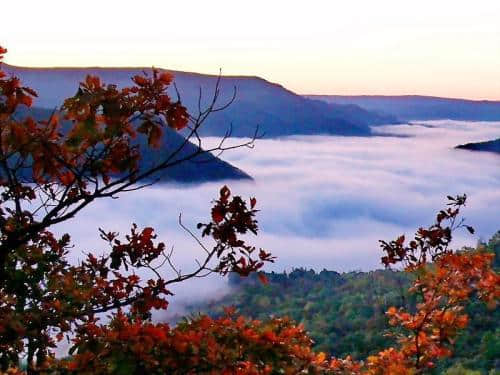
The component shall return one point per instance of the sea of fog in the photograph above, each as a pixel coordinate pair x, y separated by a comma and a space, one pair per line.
325, 201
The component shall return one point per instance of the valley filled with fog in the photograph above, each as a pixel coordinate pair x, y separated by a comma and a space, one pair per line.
325, 201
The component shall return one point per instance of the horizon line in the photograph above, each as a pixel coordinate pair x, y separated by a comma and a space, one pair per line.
496, 100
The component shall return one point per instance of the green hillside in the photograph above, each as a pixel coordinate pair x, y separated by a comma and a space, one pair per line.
344, 313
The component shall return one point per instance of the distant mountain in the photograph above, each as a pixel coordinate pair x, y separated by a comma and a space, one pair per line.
415, 107
489, 146
203, 168
276, 110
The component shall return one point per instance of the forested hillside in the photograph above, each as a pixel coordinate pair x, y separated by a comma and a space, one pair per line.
345, 313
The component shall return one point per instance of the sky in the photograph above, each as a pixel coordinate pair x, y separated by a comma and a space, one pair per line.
444, 48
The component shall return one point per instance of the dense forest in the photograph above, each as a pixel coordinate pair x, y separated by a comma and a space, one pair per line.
345, 313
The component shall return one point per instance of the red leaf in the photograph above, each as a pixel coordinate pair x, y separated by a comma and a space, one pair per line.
217, 214
177, 117
148, 232
400, 240
166, 78
93, 82
263, 279
67, 178
26, 100
140, 80
224, 193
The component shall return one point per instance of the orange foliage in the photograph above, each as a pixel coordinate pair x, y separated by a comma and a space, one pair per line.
227, 345
43, 298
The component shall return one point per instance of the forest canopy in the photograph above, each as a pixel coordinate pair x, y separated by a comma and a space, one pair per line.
344, 313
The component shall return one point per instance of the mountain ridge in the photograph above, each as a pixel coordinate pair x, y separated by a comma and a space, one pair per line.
402, 96
421, 107
275, 109
202, 168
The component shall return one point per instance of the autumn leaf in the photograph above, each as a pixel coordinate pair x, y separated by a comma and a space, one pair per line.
224, 193
177, 117
263, 278
253, 202
166, 78
147, 233
67, 178
217, 214
92, 82
320, 358
140, 80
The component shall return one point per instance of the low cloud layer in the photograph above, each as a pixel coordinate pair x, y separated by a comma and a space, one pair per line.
325, 201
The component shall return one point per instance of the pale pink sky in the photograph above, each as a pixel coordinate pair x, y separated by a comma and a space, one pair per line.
443, 48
